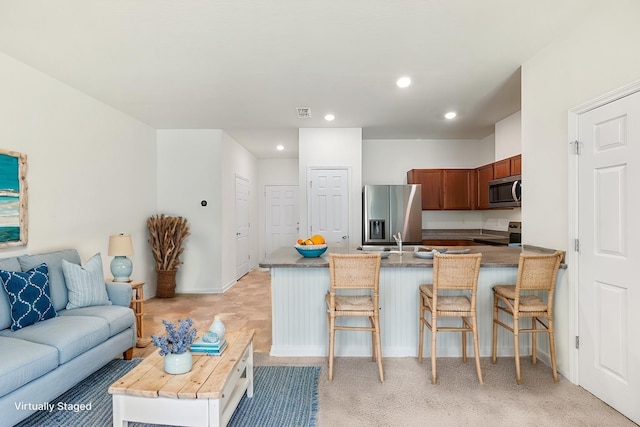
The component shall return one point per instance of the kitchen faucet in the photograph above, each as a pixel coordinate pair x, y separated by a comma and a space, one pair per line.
398, 239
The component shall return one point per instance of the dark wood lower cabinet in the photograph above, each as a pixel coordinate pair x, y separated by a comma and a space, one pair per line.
449, 242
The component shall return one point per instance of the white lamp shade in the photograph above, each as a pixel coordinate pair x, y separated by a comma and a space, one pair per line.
120, 245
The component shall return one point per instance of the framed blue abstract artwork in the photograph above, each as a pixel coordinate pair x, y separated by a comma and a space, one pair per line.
13, 198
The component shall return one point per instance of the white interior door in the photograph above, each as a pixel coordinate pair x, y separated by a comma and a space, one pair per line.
329, 205
609, 289
242, 227
281, 216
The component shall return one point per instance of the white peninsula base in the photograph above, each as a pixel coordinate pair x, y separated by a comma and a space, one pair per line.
300, 323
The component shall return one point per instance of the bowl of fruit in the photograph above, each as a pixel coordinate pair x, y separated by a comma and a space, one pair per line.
312, 247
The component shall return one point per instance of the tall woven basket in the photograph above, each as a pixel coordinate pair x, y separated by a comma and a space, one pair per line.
166, 283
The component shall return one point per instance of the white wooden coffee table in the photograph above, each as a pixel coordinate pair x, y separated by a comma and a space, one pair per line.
206, 396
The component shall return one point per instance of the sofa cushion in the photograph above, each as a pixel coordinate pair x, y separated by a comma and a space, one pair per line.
29, 296
85, 283
23, 361
56, 277
120, 293
8, 264
70, 335
119, 318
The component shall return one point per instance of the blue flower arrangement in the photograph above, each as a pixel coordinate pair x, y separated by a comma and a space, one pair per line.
178, 339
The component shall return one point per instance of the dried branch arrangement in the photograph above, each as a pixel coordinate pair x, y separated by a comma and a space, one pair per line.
166, 238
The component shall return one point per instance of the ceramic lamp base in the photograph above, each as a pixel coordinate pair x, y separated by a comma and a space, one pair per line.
121, 268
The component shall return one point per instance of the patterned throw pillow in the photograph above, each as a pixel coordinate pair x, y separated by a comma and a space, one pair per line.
85, 283
29, 296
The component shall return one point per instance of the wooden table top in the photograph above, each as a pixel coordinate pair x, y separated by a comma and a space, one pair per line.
206, 379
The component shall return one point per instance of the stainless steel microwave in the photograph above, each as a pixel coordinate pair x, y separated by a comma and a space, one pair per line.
505, 192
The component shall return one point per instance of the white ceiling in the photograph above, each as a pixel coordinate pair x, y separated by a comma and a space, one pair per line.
245, 65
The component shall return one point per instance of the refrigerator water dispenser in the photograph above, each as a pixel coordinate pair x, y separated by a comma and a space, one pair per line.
376, 228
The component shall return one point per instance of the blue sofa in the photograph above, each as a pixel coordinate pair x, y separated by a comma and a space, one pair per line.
40, 361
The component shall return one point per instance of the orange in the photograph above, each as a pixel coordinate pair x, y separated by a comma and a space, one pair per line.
317, 239
300, 242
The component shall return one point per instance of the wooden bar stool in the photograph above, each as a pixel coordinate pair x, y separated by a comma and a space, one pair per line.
536, 272
354, 272
451, 273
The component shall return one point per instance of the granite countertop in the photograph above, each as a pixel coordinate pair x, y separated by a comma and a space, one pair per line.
492, 256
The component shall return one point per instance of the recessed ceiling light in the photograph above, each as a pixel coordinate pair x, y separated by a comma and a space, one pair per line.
279, 147
329, 117
403, 82
450, 115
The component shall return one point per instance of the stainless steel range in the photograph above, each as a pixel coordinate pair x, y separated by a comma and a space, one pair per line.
515, 233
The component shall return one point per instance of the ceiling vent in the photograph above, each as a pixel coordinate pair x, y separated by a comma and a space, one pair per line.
303, 112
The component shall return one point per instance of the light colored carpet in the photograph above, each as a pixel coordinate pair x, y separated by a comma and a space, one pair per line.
407, 398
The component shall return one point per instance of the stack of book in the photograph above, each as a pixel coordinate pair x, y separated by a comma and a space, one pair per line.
211, 349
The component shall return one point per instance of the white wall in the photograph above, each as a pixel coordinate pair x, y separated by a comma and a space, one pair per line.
387, 161
490, 141
90, 168
237, 161
325, 148
202, 164
189, 171
272, 172
599, 54
508, 136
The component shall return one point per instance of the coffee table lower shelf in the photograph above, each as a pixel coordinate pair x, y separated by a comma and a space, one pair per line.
212, 404
180, 412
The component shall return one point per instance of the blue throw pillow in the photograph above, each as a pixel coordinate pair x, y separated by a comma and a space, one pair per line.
85, 283
29, 296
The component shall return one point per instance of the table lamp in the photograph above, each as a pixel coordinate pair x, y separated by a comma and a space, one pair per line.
120, 247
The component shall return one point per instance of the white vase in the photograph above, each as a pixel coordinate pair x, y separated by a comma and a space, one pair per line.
218, 328
178, 363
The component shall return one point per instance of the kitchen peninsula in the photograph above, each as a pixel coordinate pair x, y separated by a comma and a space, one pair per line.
299, 285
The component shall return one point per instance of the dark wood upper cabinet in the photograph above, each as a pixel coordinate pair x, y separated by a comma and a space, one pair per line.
431, 181
449, 189
461, 189
457, 189
502, 168
484, 174
507, 167
516, 164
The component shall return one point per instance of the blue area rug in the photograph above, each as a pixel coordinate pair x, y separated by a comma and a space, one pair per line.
282, 396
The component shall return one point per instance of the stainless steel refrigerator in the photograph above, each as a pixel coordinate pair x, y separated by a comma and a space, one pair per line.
391, 209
